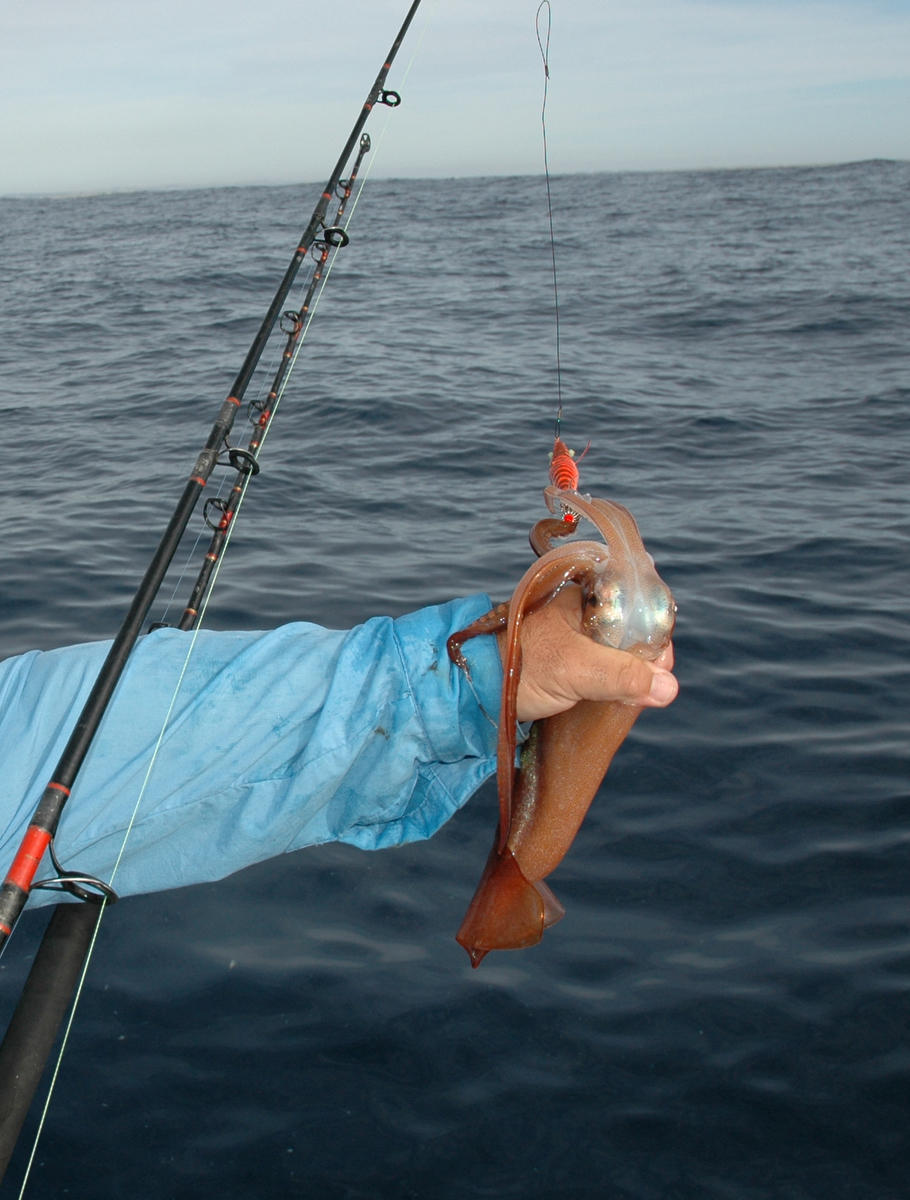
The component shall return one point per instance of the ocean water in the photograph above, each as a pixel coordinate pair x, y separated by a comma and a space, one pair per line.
723, 1013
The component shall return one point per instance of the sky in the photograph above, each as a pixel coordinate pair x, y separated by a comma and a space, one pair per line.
99, 95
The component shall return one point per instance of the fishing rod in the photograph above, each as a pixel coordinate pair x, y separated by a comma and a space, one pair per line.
60, 961
246, 462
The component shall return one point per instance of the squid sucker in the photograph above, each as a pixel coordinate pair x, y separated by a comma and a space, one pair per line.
542, 803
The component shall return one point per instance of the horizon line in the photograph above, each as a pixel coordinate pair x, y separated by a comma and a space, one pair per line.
83, 194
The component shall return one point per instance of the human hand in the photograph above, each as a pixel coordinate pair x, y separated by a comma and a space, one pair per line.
561, 665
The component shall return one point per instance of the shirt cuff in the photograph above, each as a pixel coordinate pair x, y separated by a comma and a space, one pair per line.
457, 716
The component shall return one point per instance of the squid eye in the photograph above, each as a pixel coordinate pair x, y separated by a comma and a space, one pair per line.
550, 456
571, 454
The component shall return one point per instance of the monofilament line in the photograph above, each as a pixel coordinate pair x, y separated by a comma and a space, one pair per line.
189, 653
544, 44
147, 778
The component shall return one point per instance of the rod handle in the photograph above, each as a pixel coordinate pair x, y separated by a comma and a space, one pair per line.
42, 1006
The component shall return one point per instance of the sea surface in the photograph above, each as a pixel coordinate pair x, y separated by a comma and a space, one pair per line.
724, 1012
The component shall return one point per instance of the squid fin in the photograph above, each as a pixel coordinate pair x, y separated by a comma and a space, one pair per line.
507, 912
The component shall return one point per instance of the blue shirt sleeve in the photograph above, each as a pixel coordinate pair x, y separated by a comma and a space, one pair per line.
271, 741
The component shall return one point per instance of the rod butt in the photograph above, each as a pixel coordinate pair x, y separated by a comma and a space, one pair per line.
42, 1006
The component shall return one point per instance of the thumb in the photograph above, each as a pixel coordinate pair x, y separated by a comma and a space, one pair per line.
602, 673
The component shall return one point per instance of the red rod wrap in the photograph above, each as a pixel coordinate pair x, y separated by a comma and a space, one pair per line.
25, 864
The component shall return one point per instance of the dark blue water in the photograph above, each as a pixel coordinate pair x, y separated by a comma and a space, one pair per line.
723, 1013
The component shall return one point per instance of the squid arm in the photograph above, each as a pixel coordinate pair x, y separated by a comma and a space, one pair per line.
564, 760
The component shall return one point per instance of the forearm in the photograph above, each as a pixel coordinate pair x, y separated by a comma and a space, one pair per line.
275, 741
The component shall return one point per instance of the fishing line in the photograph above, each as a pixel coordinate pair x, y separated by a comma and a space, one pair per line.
302, 288
331, 264
186, 566
145, 782
190, 649
246, 484
265, 374
544, 45
126, 836
370, 164
350, 217
57, 1064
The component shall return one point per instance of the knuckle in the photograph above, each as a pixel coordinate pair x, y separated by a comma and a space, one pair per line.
629, 676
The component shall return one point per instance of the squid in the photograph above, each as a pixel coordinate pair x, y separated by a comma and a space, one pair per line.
542, 803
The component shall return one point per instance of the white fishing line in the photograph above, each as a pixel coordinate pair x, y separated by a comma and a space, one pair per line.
195, 633
349, 218
66, 1034
126, 836
265, 375
246, 483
